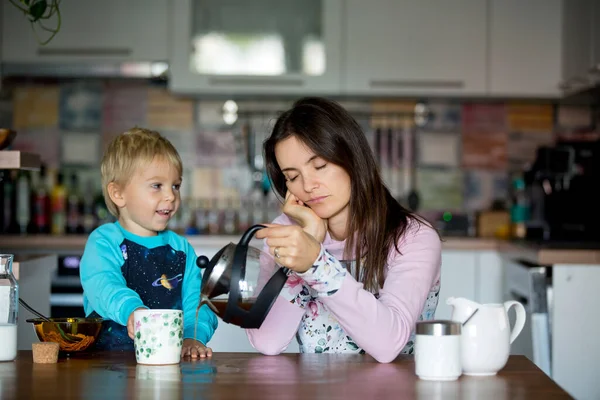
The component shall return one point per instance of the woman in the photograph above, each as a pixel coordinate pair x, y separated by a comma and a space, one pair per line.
337, 208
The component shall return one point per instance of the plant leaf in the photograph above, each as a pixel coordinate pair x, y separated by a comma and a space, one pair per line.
37, 10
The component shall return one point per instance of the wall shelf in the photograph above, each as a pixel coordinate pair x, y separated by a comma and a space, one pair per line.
13, 159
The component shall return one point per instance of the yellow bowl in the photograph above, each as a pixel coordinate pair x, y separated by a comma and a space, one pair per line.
72, 334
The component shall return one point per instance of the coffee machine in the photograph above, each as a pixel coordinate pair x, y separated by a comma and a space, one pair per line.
562, 186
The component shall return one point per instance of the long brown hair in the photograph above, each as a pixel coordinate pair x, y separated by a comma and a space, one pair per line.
377, 221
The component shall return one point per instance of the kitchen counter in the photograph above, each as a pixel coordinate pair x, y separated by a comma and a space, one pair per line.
77, 242
253, 376
530, 251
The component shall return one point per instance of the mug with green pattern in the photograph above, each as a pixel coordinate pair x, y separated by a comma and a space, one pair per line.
158, 336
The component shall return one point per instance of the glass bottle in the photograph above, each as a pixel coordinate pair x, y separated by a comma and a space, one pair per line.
9, 307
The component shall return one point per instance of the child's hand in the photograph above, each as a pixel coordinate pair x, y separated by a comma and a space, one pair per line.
195, 349
130, 330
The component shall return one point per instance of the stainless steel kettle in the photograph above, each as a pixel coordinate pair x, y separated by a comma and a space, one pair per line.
241, 283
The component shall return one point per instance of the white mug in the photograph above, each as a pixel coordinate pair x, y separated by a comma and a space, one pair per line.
158, 336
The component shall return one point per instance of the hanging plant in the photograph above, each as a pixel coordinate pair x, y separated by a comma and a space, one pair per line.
39, 13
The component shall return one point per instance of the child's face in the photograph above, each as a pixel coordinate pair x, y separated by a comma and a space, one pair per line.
150, 199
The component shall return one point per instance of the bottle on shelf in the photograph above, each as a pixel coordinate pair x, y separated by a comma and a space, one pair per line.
89, 221
201, 211
23, 198
9, 203
74, 207
519, 211
40, 202
244, 215
230, 218
58, 198
213, 217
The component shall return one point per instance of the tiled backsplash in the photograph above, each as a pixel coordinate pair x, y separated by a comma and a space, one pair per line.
463, 153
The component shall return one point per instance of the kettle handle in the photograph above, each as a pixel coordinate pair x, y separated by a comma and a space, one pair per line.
520, 321
247, 236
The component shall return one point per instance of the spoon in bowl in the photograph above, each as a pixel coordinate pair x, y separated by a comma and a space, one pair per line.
64, 335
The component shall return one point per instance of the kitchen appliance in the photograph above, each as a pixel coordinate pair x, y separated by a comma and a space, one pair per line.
241, 283
531, 285
558, 184
66, 297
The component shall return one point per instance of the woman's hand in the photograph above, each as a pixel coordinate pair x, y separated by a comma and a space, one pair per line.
291, 246
195, 349
310, 222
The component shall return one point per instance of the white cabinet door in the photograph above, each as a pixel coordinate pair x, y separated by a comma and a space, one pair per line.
412, 47
459, 269
107, 30
263, 47
577, 42
525, 48
489, 284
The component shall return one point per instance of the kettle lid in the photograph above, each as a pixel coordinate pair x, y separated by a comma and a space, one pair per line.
216, 276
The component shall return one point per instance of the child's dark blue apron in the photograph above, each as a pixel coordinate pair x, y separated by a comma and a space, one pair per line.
156, 275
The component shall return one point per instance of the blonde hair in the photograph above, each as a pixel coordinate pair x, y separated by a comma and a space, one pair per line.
127, 152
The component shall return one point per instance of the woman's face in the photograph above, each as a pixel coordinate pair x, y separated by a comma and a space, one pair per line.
321, 185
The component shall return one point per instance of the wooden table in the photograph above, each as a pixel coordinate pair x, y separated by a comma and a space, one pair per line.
254, 376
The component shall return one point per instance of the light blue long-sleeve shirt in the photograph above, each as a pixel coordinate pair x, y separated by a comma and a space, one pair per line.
121, 271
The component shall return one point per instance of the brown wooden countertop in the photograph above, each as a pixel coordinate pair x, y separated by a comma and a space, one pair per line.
538, 254
253, 376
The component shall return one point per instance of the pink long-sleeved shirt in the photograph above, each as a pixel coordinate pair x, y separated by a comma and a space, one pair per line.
329, 311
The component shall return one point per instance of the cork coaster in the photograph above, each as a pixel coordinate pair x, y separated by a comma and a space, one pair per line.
45, 352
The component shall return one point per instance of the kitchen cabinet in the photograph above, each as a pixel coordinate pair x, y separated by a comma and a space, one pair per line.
577, 44
92, 31
475, 275
560, 301
34, 276
576, 352
459, 270
235, 47
525, 48
415, 47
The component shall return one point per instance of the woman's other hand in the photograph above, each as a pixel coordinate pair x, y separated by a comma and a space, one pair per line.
310, 222
291, 246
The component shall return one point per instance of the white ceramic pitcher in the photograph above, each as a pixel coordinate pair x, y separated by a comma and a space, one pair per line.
486, 338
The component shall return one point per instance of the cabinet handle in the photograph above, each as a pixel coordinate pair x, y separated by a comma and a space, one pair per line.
94, 52
564, 86
429, 83
572, 82
595, 69
241, 81
579, 79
